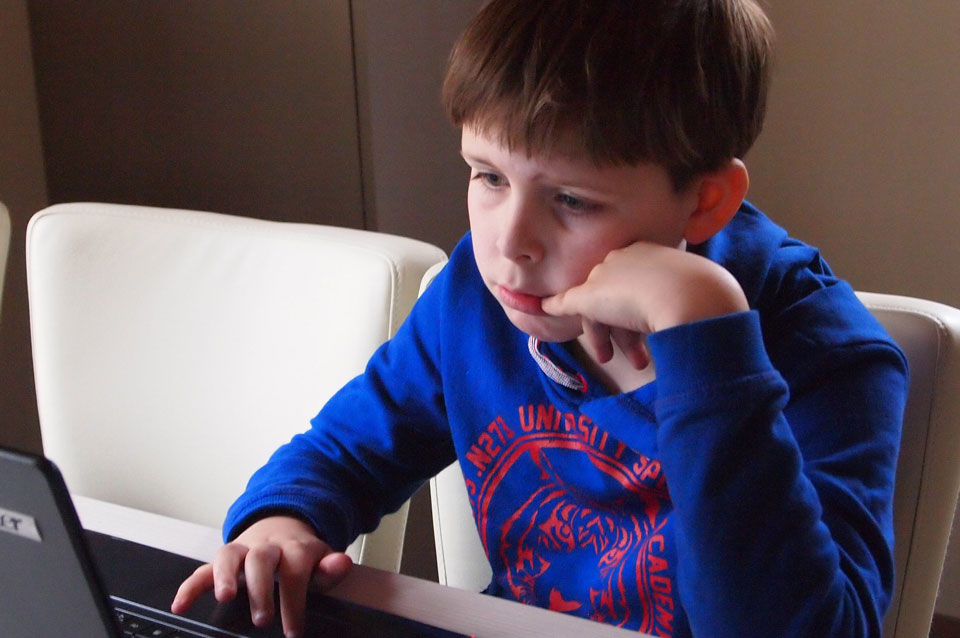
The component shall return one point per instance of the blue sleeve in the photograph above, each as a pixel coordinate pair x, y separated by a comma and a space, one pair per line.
783, 492
370, 446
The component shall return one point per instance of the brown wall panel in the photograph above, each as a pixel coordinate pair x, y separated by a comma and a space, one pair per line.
415, 182
237, 107
23, 191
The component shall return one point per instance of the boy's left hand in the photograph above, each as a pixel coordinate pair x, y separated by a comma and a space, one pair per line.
644, 288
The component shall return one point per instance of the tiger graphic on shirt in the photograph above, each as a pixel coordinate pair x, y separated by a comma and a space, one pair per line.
575, 518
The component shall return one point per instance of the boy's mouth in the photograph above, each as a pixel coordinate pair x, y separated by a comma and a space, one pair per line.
521, 301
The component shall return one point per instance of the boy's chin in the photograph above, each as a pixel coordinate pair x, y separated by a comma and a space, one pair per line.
546, 328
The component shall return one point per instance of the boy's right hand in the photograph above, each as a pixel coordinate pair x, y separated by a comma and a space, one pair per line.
279, 545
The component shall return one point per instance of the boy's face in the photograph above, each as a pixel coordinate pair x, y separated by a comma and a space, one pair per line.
541, 223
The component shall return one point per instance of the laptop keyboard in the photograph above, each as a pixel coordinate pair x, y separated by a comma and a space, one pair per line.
136, 626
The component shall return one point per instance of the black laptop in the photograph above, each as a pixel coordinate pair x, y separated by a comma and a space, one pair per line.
57, 579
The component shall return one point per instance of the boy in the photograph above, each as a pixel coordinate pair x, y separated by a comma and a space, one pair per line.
670, 416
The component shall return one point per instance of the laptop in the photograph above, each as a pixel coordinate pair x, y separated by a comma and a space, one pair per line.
58, 579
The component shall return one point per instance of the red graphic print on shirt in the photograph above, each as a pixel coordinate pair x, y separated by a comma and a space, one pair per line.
575, 518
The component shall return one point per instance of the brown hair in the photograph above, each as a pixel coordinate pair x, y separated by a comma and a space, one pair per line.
681, 83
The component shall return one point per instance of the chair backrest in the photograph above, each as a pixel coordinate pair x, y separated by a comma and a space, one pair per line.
4, 246
175, 350
928, 473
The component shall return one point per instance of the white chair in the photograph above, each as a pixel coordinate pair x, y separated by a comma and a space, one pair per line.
175, 350
928, 473
4, 246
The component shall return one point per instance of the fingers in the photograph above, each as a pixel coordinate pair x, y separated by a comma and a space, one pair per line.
191, 589
221, 576
598, 337
281, 546
294, 563
332, 568
560, 304
259, 566
226, 566
296, 567
601, 339
633, 346
298, 563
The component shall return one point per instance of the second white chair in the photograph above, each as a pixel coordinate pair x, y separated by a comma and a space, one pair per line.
4, 246
175, 350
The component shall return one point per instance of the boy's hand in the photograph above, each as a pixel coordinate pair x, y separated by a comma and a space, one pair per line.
644, 288
278, 545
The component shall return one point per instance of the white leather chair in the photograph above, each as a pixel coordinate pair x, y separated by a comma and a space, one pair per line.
928, 471
4, 246
175, 350
928, 474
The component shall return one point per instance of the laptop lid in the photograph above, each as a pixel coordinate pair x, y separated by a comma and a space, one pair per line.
49, 584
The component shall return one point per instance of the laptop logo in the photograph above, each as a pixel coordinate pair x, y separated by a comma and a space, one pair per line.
19, 524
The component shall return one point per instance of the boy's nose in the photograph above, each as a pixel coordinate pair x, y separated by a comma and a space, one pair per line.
520, 237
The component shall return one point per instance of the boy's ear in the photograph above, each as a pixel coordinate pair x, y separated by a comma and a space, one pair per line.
720, 194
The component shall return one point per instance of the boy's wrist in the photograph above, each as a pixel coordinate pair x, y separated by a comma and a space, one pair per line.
707, 353
708, 291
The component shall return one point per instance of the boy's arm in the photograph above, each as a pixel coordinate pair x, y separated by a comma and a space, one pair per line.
783, 510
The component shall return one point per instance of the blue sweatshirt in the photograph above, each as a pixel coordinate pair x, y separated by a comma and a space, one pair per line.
747, 490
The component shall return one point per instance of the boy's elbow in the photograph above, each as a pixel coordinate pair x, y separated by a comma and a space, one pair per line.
854, 607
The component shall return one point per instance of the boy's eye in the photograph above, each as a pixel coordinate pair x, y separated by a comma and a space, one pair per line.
492, 180
574, 203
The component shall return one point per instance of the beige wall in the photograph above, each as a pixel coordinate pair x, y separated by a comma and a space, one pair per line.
859, 155
23, 191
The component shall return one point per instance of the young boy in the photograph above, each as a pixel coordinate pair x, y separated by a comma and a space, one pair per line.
670, 416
